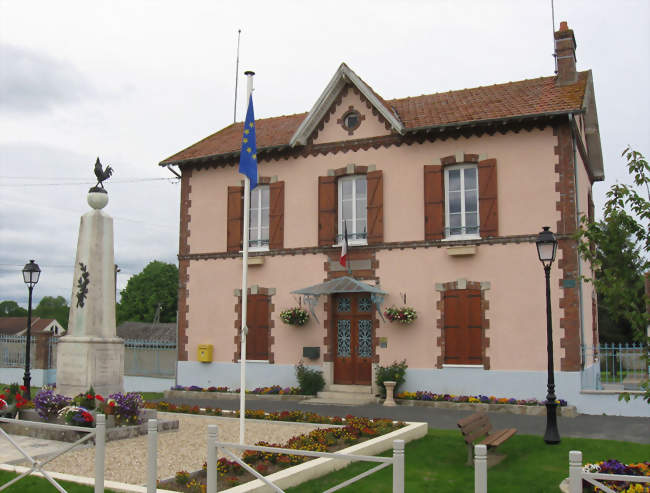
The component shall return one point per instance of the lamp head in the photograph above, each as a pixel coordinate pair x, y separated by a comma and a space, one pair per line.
546, 246
31, 273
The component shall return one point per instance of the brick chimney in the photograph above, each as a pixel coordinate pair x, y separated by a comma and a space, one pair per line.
565, 54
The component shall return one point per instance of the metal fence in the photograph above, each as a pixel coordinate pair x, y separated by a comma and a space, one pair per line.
12, 351
147, 358
616, 366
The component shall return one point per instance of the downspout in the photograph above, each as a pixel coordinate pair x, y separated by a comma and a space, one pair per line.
579, 280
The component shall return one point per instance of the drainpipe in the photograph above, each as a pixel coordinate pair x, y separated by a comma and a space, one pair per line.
579, 280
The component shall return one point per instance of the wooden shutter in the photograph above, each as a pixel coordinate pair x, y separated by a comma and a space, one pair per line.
463, 327
276, 215
487, 198
235, 221
257, 320
434, 203
375, 207
327, 210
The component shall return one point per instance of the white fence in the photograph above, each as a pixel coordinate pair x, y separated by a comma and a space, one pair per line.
99, 432
576, 473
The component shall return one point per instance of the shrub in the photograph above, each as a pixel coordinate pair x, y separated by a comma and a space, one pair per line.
86, 400
395, 372
48, 403
310, 381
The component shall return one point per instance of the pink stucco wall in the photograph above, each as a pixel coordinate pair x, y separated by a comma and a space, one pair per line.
526, 201
526, 183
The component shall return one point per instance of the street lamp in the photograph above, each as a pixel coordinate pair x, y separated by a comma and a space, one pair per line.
31, 273
546, 248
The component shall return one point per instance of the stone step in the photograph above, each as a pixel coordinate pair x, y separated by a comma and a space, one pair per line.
356, 389
344, 398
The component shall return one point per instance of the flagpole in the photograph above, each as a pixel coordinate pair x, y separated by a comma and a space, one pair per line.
244, 286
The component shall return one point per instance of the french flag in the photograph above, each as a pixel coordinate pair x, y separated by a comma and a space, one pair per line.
344, 246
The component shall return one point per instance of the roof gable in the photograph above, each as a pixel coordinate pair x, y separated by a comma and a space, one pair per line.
343, 76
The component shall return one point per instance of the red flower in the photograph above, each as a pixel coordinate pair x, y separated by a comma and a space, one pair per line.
99, 398
18, 396
112, 403
2, 396
23, 388
89, 396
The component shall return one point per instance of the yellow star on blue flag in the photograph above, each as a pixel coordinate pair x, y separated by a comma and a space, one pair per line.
248, 153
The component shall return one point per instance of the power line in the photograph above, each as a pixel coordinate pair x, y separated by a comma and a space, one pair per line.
61, 184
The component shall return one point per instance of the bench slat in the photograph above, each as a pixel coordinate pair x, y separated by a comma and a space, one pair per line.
498, 437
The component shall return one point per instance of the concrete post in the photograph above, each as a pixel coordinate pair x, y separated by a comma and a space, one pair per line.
100, 452
575, 468
211, 486
480, 469
398, 466
152, 455
390, 389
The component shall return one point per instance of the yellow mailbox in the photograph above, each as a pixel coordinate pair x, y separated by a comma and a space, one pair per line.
205, 353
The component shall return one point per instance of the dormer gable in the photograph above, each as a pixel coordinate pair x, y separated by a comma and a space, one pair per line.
343, 80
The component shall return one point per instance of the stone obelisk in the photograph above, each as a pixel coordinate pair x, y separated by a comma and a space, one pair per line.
91, 354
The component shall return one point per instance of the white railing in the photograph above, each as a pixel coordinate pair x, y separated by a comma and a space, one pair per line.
99, 432
577, 474
480, 469
397, 461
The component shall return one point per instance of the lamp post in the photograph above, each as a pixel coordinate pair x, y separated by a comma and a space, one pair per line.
546, 249
31, 273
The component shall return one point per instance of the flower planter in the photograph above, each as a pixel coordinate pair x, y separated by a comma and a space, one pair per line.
113, 432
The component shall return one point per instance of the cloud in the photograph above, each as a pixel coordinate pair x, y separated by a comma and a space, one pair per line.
32, 82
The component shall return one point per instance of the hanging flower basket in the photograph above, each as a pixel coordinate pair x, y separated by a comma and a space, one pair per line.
295, 316
404, 315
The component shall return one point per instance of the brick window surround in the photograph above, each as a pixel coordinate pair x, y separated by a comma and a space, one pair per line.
462, 284
254, 290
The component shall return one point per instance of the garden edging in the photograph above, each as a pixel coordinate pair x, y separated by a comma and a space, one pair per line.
564, 411
206, 396
296, 475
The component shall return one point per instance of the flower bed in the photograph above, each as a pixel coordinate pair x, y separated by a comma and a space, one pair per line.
272, 390
483, 403
612, 466
479, 399
354, 430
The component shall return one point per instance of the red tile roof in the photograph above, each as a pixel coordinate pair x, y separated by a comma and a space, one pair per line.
15, 325
500, 101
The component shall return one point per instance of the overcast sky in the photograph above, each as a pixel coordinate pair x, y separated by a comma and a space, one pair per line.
134, 82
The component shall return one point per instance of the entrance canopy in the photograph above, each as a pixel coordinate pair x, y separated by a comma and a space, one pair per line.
343, 284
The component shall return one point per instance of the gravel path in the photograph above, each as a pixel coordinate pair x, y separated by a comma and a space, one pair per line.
185, 449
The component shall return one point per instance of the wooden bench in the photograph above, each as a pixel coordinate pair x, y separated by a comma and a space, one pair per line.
477, 426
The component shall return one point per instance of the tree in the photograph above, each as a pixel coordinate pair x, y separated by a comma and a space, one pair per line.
617, 248
11, 309
50, 307
156, 284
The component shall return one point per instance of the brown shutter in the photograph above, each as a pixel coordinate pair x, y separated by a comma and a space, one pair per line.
257, 320
235, 221
327, 210
434, 203
487, 193
375, 207
276, 215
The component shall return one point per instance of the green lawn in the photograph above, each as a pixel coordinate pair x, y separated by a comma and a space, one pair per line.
33, 484
436, 463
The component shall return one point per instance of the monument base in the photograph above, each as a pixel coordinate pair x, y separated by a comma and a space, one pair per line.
83, 362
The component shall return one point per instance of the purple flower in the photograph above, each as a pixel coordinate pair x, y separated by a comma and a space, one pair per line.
48, 404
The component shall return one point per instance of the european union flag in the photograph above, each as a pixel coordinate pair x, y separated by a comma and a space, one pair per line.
248, 154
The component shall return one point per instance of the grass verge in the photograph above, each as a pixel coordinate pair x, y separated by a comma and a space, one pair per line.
33, 484
436, 463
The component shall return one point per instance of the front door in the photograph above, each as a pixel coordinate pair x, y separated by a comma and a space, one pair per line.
354, 333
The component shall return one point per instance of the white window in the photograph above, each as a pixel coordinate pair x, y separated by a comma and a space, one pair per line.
461, 201
258, 228
352, 196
